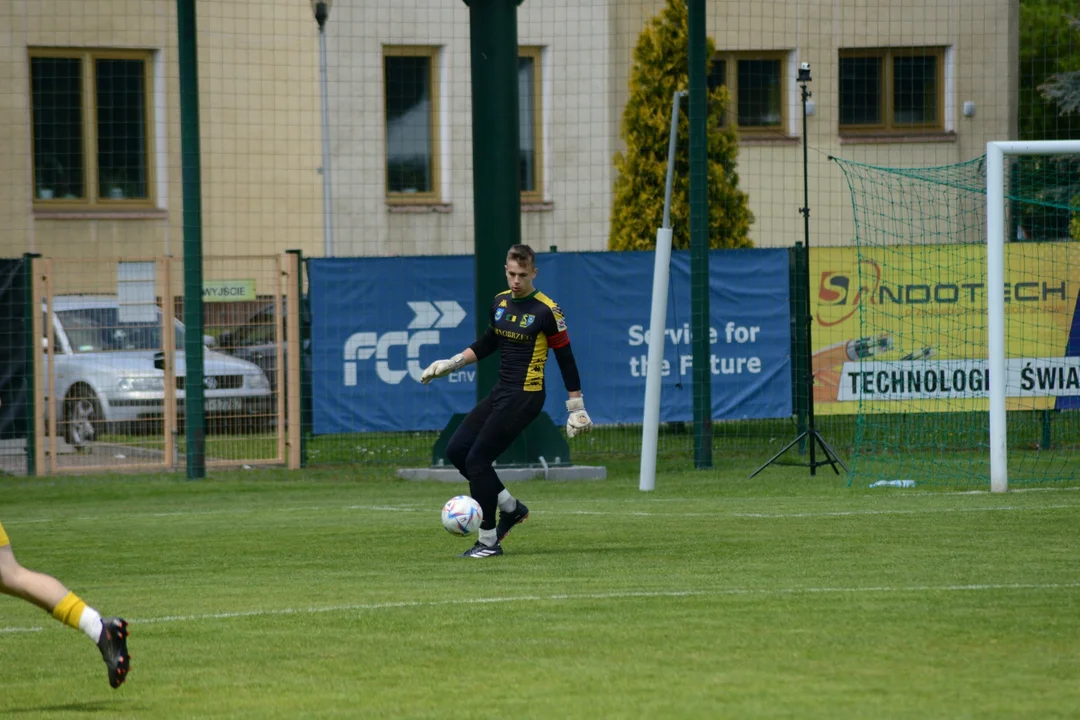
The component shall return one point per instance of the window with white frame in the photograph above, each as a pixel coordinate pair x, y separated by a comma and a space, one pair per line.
757, 87
530, 120
410, 75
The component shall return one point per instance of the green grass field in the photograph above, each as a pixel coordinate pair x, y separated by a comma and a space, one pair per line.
336, 593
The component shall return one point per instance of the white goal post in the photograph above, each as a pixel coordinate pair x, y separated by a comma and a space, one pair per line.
650, 424
995, 278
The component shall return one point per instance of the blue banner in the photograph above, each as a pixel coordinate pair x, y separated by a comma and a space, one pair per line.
377, 322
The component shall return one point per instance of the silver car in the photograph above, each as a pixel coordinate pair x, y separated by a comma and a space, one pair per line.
106, 375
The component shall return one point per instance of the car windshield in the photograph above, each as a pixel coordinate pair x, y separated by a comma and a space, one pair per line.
258, 330
100, 330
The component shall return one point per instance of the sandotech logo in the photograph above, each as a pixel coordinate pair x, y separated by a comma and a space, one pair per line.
840, 292
429, 318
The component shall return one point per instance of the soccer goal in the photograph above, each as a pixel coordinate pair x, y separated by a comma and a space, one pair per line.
1052, 382
962, 274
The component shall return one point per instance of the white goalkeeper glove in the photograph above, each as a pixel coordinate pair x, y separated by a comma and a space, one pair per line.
442, 368
579, 421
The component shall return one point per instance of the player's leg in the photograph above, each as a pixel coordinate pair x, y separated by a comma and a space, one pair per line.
511, 512
49, 594
38, 588
511, 414
457, 450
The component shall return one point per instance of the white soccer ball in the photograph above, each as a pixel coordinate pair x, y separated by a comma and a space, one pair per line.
461, 515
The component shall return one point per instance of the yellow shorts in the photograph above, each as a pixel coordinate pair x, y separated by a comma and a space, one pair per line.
3, 537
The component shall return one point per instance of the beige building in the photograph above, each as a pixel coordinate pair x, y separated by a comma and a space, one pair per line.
90, 154
893, 84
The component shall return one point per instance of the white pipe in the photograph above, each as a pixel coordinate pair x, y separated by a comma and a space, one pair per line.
995, 280
1033, 147
651, 423
995, 328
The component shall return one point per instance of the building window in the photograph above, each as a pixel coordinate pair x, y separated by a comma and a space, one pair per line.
412, 109
756, 83
530, 121
894, 90
91, 120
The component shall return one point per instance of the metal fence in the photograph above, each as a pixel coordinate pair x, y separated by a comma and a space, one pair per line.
109, 379
350, 132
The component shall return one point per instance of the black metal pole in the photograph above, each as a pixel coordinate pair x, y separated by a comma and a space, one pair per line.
496, 184
191, 183
33, 353
810, 434
808, 317
699, 236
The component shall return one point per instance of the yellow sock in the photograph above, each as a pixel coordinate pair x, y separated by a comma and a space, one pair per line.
69, 610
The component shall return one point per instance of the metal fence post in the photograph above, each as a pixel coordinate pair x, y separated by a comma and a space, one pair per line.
293, 298
33, 376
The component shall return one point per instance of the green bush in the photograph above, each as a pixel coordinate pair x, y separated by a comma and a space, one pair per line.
660, 68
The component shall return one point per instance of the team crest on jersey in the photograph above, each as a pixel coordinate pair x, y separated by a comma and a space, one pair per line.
526, 320
499, 313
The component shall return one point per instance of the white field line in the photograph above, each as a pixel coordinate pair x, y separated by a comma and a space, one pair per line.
582, 597
225, 512
617, 513
887, 491
825, 514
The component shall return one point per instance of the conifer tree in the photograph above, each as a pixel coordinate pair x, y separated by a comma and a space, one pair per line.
660, 68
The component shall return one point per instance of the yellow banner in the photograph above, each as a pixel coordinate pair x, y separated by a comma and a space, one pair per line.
903, 329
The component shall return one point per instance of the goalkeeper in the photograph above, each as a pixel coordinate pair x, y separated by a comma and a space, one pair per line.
524, 323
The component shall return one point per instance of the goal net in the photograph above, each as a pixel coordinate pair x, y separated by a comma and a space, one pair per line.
919, 375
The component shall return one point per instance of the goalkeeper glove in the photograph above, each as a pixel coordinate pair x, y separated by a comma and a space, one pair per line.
579, 421
442, 368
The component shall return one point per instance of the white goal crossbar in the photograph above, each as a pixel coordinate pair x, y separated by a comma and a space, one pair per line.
995, 281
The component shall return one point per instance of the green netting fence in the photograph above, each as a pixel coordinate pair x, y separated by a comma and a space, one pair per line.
922, 385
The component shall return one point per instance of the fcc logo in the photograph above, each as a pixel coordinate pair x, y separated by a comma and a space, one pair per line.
429, 318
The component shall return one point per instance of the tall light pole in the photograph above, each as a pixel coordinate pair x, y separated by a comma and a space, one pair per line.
321, 8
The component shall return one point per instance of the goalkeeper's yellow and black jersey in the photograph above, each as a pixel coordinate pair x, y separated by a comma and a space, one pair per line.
523, 329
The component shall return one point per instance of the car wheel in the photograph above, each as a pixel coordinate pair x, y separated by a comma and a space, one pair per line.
82, 416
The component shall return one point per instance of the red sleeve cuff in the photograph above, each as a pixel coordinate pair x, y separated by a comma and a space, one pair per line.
558, 340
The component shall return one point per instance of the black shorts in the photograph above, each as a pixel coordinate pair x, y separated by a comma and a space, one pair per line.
503, 415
